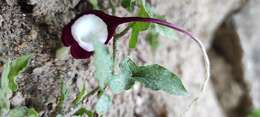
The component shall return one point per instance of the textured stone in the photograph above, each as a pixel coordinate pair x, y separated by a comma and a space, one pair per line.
37, 30
248, 28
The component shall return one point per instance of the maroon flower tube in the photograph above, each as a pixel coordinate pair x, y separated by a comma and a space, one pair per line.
93, 23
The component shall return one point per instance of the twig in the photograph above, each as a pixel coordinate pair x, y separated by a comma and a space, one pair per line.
115, 39
70, 113
122, 33
205, 83
114, 54
91, 93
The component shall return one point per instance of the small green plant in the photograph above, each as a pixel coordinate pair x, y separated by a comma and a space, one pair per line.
254, 113
8, 86
87, 34
154, 77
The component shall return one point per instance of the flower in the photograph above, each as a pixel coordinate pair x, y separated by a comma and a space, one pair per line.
96, 24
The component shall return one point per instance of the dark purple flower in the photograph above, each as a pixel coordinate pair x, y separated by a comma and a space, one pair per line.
96, 24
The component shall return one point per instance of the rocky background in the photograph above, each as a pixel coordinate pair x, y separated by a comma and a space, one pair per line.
228, 28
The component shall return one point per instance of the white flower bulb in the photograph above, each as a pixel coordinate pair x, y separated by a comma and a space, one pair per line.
89, 27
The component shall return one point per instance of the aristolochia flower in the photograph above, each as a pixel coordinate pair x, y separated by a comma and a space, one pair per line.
78, 35
96, 24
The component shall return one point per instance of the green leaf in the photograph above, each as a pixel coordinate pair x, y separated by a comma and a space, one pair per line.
17, 67
8, 80
134, 38
121, 82
103, 63
64, 94
32, 113
83, 111
23, 112
17, 112
162, 30
4, 102
152, 39
254, 113
80, 96
157, 77
4, 77
128, 66
103, 104
128, 4
138, 27
147, 8
5, 92
94, 3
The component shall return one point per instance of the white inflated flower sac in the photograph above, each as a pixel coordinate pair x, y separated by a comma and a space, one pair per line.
89, 27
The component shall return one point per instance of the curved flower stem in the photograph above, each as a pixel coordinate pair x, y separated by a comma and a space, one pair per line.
112, 5
175, 27
115, 39
92, 92
114, 54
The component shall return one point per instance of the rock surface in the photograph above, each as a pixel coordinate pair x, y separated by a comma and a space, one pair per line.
34, 26
228, 71
248, 28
